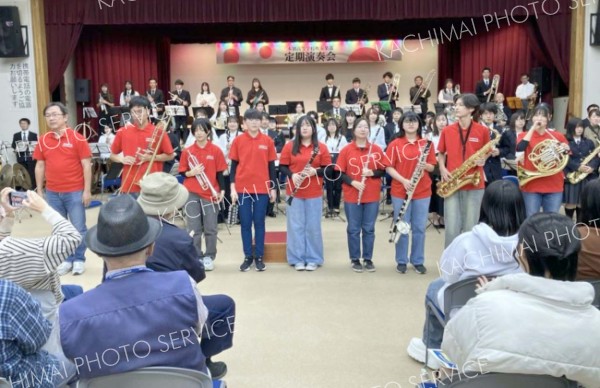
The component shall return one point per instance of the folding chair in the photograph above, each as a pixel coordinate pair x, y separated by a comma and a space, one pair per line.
596, 284
5, 383
152, 377
112, 178
502, 380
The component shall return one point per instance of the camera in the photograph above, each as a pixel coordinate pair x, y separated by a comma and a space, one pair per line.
16, 198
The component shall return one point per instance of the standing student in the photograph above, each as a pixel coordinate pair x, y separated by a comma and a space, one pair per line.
135, 145
436, 206
388, 92
206, 98
253, 180
225, 141
257, 94
420, 95
304, 238
329, 90
21, 145
362, 165
64, 165
347, 129
404, 155
484, 87
493, 167
203, 165
392, 129
335, 142
546, 191
232, 96
458, 142
592, 131
377, 133
508, 140
581, 147
181, 97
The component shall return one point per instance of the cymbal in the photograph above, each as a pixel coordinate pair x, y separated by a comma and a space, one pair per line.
22, 178
6, 175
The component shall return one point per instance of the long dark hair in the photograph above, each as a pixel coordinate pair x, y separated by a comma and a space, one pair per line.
572, 124
125, 87
202, 88
298, 131
259, 84
590, 203
433, 128
503, 208
512, 125
337, 128
345, 125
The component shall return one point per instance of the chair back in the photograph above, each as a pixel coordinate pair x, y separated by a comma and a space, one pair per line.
503, 380
457, 295
596, 284
5, 383
151, 377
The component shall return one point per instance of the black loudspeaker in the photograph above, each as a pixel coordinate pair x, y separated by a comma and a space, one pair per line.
541, 76
11, 40
82, 90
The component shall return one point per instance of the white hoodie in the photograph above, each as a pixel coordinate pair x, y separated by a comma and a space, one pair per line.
478, 252
531, 325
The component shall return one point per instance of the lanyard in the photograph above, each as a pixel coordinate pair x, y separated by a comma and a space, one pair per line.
126, 272
464, 140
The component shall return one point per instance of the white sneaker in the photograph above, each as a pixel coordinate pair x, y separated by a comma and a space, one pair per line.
311, 266
209, 265
300, 267
417, 350
78, 267
64, 268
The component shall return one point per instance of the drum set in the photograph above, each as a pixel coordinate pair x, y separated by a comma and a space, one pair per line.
15, 175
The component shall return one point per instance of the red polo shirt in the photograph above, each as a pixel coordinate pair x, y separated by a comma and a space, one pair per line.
253, 155
312, 187
213, 160
548, 184
404, 157
127, 141
351, 161
451, 144
63, 155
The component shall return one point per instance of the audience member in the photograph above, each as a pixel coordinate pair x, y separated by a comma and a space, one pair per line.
588, 265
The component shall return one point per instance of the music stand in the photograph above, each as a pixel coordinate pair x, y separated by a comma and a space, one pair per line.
439, 107
275, 110
414, 108
175, 110
103, 149
208, 111
384, 106
323, 106
356, 108
291, 106
514, 103
89, 113
94, 150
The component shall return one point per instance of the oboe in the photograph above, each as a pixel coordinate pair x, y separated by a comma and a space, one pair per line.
363, 180
314, 154
401, 227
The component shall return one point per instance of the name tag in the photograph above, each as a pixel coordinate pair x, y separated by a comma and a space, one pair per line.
210, 157
67, 145
263, 147
474, 139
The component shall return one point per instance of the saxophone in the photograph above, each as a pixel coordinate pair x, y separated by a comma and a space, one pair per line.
401, 227
575, 177
459, 177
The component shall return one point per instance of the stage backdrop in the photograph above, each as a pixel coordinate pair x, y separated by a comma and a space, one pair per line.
196, 63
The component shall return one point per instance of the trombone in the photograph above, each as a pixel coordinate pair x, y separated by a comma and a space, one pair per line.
424, 88
494, 87
394, 88
152, 147
362, 101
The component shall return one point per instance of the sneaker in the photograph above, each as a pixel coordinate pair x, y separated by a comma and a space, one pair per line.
311, 266
78, 267
217, 369
209, 265
329, 214
356, 266
401, 268
369, 266
417, 351
388, 201
64, 268
258, 263
420, 269
300, 267
246, 264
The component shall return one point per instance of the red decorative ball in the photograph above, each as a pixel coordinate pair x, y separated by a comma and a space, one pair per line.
365, 54
231, 56
265, 52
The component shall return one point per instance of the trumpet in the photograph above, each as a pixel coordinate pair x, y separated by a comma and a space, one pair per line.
424, 88
395, 84
494, 87
202, 177
176, 98
152, 147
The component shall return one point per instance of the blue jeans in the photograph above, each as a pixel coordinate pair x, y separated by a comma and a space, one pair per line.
416, 216
433, 330
69, 205
549, 202
253, 211
304, 237
361, 220
70, 291
217, 332
461, 213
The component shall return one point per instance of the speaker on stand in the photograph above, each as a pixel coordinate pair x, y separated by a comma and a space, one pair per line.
82, 95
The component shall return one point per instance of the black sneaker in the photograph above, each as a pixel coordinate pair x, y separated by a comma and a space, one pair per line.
247, 264
369, 266
356, 266
401, 268
258, 264
217, 369
420, 269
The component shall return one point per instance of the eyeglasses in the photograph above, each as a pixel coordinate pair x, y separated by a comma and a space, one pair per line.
53, 115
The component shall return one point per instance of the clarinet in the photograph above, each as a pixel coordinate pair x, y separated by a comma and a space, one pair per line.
364, 178
314, 154
401, 227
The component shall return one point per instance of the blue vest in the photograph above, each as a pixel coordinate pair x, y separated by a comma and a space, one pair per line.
141, 320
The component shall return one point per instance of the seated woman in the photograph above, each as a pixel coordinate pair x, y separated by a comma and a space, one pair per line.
539, 322
588, 265
486, 250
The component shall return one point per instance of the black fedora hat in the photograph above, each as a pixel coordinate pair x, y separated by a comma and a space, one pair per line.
122, 229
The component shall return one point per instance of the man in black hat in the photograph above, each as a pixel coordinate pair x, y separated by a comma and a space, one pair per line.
153, 318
